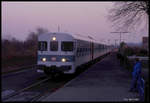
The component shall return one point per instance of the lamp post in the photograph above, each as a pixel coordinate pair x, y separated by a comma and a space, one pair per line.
120, 34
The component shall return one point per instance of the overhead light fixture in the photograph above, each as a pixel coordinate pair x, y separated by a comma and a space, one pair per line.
54, 38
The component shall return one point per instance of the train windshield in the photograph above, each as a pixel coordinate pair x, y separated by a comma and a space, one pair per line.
66, 46
42, 46
54, 45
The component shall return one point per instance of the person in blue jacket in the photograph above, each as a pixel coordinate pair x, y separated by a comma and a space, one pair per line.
135, 75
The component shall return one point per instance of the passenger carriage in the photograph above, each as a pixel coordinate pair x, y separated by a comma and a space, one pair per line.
63, 52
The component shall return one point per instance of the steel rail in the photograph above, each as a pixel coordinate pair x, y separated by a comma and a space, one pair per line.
24, 89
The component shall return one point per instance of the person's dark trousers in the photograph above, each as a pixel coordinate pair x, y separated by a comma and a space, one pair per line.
141, 88
133, 87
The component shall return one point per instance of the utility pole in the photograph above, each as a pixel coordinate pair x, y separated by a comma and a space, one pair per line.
115, 43
120, 34
108, 41
58, 28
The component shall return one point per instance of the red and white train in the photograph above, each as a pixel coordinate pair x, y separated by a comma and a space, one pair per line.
63, 52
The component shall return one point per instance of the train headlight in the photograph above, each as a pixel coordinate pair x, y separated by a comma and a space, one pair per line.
54, 38
63, 60
43, 59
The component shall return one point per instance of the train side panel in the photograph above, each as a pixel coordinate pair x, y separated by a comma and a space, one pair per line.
82, 54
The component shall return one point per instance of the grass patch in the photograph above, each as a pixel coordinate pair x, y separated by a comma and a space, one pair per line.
16, 62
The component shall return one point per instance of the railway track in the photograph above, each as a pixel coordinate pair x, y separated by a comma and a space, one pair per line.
27, 91
35, 91
24, 89
40, 89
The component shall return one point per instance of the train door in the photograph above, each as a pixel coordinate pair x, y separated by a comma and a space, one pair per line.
91, 50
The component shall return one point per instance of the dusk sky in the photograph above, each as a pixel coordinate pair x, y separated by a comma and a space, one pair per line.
86, 18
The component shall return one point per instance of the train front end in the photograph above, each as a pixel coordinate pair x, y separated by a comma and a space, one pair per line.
56, 53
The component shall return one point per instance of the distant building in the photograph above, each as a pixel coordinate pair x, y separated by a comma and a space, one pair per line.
145, 43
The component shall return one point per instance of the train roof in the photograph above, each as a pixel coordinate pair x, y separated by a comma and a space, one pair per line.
87, 38
77, 36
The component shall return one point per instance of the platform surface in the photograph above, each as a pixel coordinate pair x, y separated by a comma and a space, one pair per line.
104, 81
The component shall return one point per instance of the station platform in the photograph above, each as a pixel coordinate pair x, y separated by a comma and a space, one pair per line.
104, 81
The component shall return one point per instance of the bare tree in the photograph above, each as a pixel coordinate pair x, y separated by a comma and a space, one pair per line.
33, 35
129, 15
41, 30
31, 43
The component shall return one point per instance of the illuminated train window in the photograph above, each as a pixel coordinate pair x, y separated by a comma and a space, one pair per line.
54, 45
42, 45
67, 46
